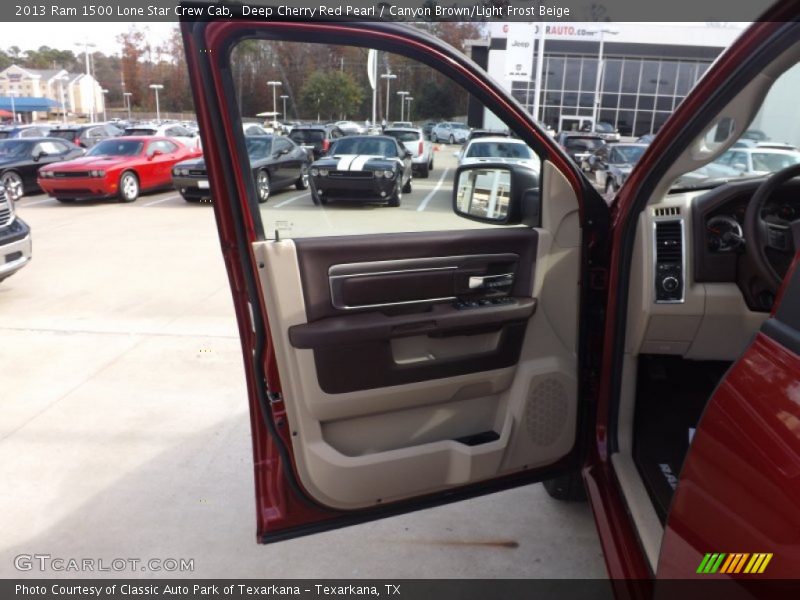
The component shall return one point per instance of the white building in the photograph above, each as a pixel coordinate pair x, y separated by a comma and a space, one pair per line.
80, 94
646, 69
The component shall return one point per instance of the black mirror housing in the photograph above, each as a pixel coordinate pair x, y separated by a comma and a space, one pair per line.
513, 199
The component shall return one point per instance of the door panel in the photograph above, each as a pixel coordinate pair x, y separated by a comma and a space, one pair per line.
740, 484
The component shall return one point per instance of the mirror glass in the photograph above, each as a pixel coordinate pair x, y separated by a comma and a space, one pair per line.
484, 193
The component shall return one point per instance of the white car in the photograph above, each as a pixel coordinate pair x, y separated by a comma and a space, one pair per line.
351, 127
253, 129
452, 133
498, 150
175, 131
758, 161
414, 141
405, 124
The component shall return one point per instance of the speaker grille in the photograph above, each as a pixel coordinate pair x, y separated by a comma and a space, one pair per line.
546, 411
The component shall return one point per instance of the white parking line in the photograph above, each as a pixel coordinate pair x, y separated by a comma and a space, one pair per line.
292, 199
154, 202
39, 202
424, 204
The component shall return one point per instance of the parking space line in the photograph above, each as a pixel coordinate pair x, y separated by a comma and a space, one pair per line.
424, 204
48, 199
154, 202
292, 199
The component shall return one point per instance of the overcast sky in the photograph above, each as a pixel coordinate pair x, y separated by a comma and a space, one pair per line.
64, 36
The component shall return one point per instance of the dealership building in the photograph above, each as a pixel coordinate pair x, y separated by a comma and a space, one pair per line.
646, 69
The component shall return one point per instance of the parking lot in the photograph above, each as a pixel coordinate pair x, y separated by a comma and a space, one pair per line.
125, 430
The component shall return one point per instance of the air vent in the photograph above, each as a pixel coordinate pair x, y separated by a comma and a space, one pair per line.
668, 211
669, 242
669, 261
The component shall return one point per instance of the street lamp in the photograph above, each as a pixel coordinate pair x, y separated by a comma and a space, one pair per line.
596, 103
402, 104
86, 46
388, 76
127, 97
284, 97
408, 99
274, 85
61, 81
104, 91
156, 87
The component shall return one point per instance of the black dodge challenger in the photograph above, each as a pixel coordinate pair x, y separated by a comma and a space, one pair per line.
363, 168
276, 161
20, 160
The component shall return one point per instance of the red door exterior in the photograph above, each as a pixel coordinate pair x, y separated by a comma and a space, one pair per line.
740, 485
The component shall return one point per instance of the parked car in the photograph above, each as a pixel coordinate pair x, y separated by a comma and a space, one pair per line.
20, 160
23, 131
606, 131
611, 164
351, 127
452, 133
644, 355
402, 125
758, 160
175, 131
498, 150
756, 135
275, 161
253, 129
579, 146
374, 168
318, 138
427, 127
85, 136
646, 138
479, 133
421, 149
121, 168
15, 238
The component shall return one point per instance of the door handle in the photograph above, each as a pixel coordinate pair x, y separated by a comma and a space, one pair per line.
491, 281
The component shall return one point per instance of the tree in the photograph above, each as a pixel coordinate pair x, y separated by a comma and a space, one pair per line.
134, 48
332, 94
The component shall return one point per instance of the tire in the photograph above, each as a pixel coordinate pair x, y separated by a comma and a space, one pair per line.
191, 200
302, 181
128, 187
407, 186
13, 184
262, 186
452, 140
396, 198
566, 488
65, 200
424, 171
315, 199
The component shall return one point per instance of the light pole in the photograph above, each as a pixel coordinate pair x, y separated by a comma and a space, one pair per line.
284, 97
274, 85
402, 104
409, 99
86, 46
388, 76
156, 87
127, 96
61, 81
104, 91
596, 103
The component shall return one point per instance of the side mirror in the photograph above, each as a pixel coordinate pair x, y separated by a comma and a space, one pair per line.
740, 166
37, 155
153, 154
497, 193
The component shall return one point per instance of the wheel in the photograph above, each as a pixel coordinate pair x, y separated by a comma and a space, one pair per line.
567, 488
407, 186
424, 171
396, 197
452, 139
302, 181
65, 200
128, 186
13, 184
190, 199
262, 186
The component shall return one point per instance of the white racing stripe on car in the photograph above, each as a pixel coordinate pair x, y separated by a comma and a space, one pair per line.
292, 199
424, 204
361, 160
345, 160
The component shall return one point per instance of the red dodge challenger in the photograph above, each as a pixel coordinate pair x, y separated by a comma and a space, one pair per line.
117, 167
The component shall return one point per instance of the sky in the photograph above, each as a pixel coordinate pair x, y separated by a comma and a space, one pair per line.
65, 36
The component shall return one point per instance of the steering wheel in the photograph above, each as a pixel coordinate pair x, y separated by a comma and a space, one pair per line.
761, 234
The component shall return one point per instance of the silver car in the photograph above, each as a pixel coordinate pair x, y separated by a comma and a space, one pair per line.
452, 133
421, 149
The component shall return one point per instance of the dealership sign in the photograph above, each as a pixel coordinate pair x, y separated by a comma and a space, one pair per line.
519, 51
